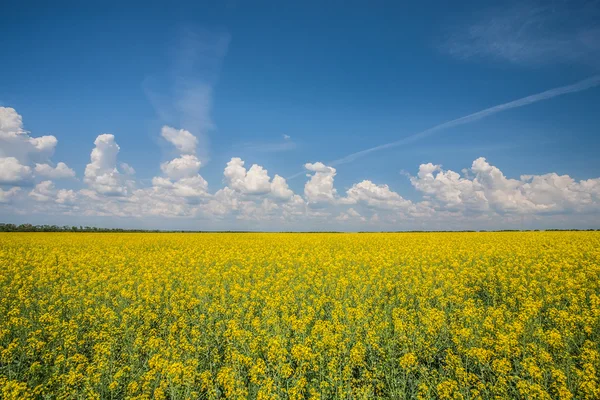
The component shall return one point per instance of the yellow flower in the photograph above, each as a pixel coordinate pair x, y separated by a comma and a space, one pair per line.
408, 361
373, 315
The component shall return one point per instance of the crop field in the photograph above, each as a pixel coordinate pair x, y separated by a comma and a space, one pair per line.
300, 316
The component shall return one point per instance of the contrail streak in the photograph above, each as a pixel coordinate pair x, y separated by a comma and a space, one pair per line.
534, 98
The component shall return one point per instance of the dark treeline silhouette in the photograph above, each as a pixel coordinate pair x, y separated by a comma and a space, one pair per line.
67, 228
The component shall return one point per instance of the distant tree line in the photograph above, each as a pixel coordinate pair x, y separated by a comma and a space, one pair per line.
67, 228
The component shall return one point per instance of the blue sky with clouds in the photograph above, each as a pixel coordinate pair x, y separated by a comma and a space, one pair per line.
194, 94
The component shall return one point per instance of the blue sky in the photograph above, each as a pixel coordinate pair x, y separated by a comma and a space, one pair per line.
286, 85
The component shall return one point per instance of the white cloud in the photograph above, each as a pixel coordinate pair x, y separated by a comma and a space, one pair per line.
182, 182
378, 196
342, 217
7, 195
449, 189
294, 208
280, 189
60, 171
489, 190
235, 172
183, 140
319, 167
260, 210
127, 169
481, 195
556, 193
67, 197
353, 213
11, 123
194, 186
43, 191
185, 166
44, 144
16, 142
503, 194
19, 152
162, 182
196, 62
254, 181
319, 188
12, 172
223, 202
350, 214
252, 195
164, 191
101, 174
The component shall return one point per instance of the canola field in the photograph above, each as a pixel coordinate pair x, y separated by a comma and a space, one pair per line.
300, 316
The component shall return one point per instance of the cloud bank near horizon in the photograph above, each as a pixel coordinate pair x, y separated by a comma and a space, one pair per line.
482, 196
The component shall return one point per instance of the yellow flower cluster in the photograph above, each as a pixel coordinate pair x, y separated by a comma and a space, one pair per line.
300, 316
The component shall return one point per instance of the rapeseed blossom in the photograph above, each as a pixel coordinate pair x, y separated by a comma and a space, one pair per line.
300, 316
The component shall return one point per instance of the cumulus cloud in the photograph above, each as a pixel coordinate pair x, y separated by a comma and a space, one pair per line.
350, 214
7, 195
223, 202
60, 171
250, 194
12, 172
186, 187
127, 169
319, 188
449, 188
181, 184
43, 191
377, 196
555, 192
482, 193
490, 190
255, 181
194, 186
185, 166
183, 140
16, 142
353, 213
23, 156
11, 123
67, 197
101, 174
280, 188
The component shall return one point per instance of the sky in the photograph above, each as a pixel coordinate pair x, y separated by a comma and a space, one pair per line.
294, 116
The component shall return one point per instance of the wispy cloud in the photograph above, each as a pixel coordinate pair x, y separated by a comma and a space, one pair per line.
534, 98
482, 148
183, 98
532, 33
